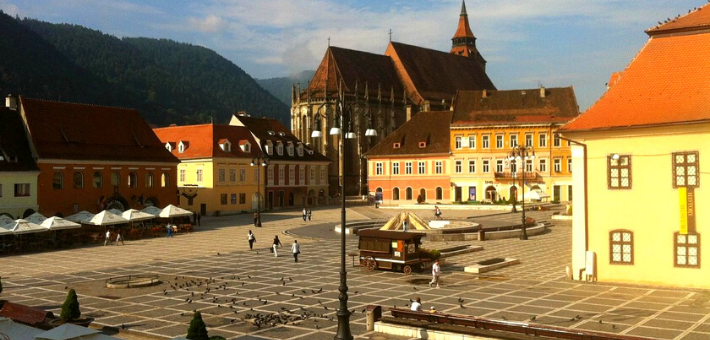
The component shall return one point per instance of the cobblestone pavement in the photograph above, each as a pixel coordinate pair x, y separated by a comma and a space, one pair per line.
243, 280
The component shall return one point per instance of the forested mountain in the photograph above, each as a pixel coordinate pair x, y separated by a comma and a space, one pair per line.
281, 87
167, 81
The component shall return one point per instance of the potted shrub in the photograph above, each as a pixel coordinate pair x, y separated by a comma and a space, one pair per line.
71, 312
197, 329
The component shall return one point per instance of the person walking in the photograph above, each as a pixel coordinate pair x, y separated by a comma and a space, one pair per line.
198, 219
435, 271
295, 249
170, 230
107, 240
251, 239
305, 214
437, 212
417, 305
256, 216
309, 213
276, 244
119, 238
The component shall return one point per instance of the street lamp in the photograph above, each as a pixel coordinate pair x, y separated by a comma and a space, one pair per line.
523, 154
344, 130
259, 161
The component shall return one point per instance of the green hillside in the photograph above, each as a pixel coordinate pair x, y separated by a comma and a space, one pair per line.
281, 87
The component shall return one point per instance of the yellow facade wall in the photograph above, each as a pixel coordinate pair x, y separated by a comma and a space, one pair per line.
16, 206
650, 209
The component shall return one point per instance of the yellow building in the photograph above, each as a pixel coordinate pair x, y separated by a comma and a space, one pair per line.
485, 127
18, 171
638, 212
215, 172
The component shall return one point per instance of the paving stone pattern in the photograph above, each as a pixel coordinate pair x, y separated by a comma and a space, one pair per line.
245, 282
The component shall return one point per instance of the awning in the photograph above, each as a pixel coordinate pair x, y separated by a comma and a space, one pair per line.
537, 195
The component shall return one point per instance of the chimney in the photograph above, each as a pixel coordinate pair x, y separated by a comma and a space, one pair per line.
542, 92
242, 114
409, 112
11, 102
484, 94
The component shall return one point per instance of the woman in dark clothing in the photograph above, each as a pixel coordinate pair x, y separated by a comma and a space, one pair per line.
276, 244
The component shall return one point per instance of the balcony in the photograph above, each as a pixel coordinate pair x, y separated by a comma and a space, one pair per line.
529, 176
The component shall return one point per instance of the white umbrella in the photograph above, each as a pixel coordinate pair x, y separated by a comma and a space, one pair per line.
107, 218
4, 219
81, 217
58, 223
136, 215
5, 229
35, 218
116, 211
24, 227
173, 211
155, 211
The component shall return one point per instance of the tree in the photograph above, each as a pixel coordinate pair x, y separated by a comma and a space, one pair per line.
70, 307
198, 329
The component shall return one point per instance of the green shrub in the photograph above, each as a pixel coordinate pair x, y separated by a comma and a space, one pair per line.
434, 254
70, 307
0, 284
217, 337
197, 329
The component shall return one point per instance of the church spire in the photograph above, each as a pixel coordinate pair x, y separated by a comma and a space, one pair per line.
464, 42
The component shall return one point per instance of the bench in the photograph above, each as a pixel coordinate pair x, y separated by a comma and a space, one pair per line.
474, 325
352, 255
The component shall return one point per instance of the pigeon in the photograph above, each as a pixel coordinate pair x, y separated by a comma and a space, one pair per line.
123, 326
217, 253
613, 326
460, 300
600, 320
415, 288
532, 318
290, 279
503, 317
461, 305
363, 310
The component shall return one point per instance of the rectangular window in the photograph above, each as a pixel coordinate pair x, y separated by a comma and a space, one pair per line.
199, 175
528, 165
499, 165
486, 141
233, 175
528, 139
257, 172
182, 175
557, 141
471, 166
395, 168
459, 166
686, 167
439, 167
543, 140
557, 163
621, 247
222, 175
223, 199
472, 141
569, 164
408, 168
270, 176
282, 176
499, 141
543, 165
513, 166
242, 175
618, 171
422, 168
323, 176
291, 175
687, 250
486, 166
242, 198
234, 198
22, 189
457, 144
513, 141
378, 169
301, 175
313, 176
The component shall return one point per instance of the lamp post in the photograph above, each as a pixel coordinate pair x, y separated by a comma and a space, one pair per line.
342, 127
522, 154
259, 161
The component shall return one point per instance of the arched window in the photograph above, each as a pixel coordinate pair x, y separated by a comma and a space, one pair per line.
422, 194
408, 194
78, 180
395, 194
58, 181
165, 180
132, 180
439, 193
149, 180
115, 179
98, 180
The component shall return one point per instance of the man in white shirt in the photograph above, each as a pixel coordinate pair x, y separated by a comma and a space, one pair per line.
295, 249
108, 237
417, 305
435, 271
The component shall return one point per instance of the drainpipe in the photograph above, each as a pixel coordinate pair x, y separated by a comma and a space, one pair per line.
586, 196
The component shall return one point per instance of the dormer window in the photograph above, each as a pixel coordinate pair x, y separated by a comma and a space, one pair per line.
245, 146
225, 145
282, 134
182, 146
396, 145
271, 133
422, 145
289, 149
280, 148
269, 147
299, 149
170, 146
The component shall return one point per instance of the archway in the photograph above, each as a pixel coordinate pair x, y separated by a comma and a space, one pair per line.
513, 193
311, 197
117, 202
151, 202
290, 199
395, 194
408, 194
491, 194
422, 196
28, 212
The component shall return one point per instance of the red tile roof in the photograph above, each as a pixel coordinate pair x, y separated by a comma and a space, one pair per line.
429, 127
71, 131
204, 140
515, 106
667, 83
698, 19
463, 30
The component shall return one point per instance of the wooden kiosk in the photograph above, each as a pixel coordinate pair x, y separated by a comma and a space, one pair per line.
393, 250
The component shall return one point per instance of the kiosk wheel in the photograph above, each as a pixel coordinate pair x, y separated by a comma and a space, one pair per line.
407, 270
370, 263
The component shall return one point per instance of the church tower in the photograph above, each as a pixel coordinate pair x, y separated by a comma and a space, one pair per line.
464, 42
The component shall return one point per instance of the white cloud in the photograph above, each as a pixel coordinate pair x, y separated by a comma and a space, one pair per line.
9, 8
209, 24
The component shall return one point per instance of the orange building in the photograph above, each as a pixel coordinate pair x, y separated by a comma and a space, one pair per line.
96, 157
412, 164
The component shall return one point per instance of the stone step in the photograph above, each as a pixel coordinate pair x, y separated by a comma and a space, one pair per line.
465, 250
489, 265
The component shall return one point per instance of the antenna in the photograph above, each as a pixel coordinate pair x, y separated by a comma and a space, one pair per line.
390, 35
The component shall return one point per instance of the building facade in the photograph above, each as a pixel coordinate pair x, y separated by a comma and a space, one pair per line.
638, 215
96, 157
487, 125
381, 92
18, 170
296, 175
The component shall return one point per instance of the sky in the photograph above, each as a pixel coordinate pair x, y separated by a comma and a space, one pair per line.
527, 43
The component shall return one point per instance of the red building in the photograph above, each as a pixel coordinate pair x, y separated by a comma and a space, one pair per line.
96, 157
